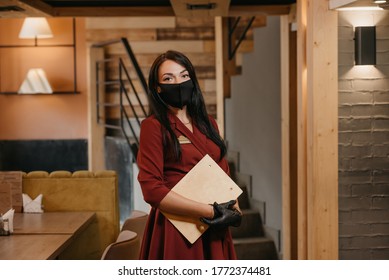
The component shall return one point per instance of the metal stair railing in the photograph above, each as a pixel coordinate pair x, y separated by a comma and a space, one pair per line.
232, 26
124, 79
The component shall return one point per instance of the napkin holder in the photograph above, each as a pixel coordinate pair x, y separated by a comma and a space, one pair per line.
6, 222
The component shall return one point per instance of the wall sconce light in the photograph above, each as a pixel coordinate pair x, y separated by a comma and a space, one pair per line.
365, 45
34, 28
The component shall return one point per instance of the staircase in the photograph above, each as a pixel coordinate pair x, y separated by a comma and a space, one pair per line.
249, 238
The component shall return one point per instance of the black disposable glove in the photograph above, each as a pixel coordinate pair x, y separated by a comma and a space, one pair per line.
228, 205
224, 216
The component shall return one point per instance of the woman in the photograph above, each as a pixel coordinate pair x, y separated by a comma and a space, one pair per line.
175, 136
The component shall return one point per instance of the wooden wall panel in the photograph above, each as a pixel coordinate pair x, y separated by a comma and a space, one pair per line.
245, 46
144, 34
129, 22
193, 22
185, 33
60, 116
157, 47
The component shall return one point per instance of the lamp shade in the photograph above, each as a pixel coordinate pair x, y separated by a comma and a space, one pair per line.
36, 27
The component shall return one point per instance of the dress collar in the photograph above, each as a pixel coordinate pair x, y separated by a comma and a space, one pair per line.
197, 138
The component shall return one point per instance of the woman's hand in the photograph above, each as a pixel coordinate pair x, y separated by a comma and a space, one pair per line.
232, 204
225, 215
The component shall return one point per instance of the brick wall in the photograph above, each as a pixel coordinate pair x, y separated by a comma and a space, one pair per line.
363, 142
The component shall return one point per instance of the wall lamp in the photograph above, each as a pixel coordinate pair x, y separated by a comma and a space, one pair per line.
365, 45
34, 28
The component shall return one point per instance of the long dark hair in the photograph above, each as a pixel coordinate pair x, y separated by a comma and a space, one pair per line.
196, 108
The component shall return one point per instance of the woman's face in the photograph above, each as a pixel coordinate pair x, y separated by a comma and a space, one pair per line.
170, 72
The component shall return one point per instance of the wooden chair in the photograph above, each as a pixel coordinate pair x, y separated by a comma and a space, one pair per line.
136, 223
126, 247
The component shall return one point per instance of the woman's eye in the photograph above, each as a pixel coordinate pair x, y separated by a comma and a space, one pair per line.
185, 76
167, 79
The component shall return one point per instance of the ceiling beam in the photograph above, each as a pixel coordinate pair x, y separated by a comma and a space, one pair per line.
334, 4
20, 9
163, 11
39, 7
270, 10
222, 8
112, 11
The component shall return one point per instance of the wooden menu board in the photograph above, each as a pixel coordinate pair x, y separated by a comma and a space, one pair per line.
206, 182
11, 191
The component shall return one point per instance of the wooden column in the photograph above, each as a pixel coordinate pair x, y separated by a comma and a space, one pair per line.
219, 73
96, 132
286, 203
317, 130
301, 130
225, 68
322, 131
289, 135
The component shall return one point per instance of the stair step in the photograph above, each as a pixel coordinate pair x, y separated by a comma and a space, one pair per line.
255, 248
251, 225
243, 199
233, 162
244, 180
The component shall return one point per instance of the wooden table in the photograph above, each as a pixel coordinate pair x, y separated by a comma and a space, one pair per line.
51, 222
33, 246
42, 236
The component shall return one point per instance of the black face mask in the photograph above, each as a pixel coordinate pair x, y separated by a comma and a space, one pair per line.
177, 95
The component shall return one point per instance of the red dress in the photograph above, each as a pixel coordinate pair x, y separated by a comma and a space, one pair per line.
157, 175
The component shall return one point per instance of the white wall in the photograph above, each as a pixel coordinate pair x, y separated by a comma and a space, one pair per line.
253, 119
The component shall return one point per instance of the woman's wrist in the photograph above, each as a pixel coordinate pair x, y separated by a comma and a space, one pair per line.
211, 212
207, 212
